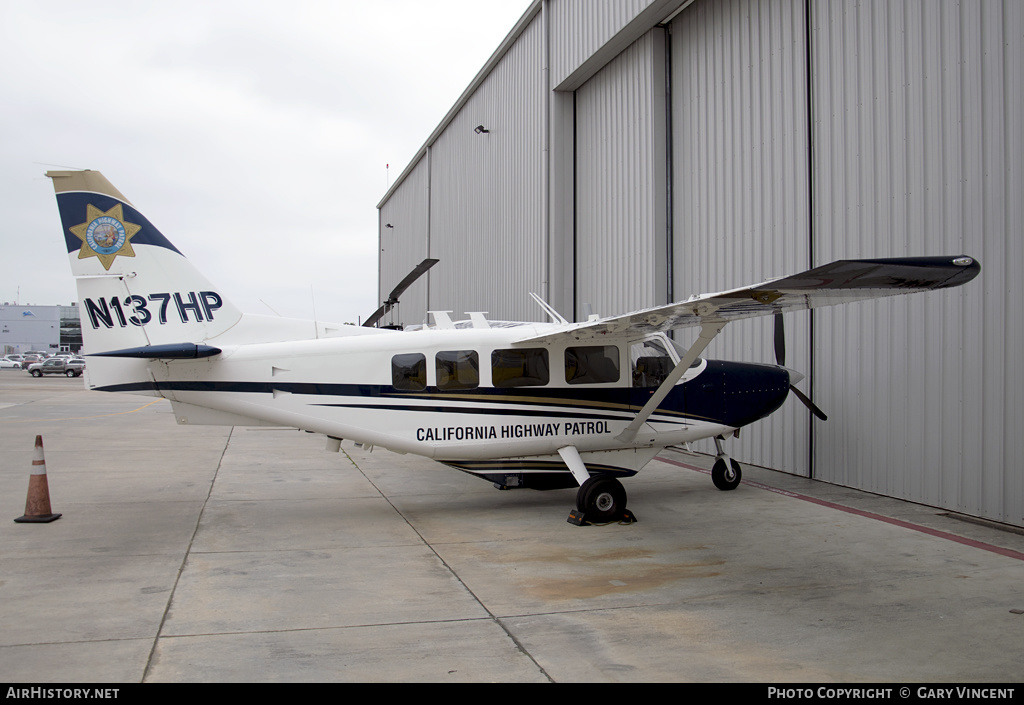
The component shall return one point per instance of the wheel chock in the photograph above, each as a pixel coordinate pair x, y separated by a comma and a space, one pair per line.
578, 518
37, 504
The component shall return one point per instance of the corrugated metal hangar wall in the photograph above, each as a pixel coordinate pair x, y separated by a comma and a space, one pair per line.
639, 151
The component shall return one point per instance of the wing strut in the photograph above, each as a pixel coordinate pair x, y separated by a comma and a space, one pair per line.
574, 462
708, 331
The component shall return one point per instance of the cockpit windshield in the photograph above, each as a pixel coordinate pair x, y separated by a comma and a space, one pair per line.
654, 358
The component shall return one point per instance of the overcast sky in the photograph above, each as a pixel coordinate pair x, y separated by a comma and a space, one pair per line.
253, 135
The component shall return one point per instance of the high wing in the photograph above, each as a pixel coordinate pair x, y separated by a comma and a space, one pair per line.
840, 282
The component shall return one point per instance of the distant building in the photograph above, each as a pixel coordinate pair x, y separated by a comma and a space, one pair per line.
51, 329
70, 329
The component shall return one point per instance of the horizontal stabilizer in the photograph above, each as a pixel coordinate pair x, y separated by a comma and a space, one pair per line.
172, 351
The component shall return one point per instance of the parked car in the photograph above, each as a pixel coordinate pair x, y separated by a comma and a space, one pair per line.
72, 367
30, 359
8, 361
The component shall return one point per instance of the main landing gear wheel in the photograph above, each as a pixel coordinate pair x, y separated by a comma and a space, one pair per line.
602, 500
726, 473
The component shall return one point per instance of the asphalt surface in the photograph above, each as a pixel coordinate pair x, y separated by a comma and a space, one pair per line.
213, 554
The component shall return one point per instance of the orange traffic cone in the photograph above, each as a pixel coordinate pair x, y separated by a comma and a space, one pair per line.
37, 506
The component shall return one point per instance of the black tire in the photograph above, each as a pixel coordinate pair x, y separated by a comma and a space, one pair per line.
726, 477
70, 373
36, 373
601, 499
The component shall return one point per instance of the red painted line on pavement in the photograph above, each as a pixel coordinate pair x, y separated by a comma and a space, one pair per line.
1009, 553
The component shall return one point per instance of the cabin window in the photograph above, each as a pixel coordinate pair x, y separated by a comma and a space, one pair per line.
409, 372
526, 367
592, 364
457, 369
651, 363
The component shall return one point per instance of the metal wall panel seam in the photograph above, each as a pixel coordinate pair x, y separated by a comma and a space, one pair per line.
546, 161
811, 177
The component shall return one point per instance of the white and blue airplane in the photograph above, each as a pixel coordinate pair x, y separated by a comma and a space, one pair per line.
540, 405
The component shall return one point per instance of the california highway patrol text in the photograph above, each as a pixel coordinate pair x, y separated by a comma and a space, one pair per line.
519, 430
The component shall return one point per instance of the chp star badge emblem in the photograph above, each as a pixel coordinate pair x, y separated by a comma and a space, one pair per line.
105, 235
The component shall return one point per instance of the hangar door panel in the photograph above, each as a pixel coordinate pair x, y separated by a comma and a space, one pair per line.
620, 182
741, 187
922, 154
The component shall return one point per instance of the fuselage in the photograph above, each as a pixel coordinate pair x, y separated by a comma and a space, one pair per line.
470, 396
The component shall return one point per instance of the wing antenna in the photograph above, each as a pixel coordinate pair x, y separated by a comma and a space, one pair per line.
555, 316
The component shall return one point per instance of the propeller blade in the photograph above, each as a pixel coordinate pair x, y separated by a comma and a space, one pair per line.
780, 360
808, 403
392, 299
780, 340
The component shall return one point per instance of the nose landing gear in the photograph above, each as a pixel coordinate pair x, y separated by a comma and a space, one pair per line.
725, 473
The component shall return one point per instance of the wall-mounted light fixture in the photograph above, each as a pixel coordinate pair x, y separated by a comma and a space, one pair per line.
480, 130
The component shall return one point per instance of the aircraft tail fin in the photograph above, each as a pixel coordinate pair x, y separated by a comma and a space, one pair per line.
135, 288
